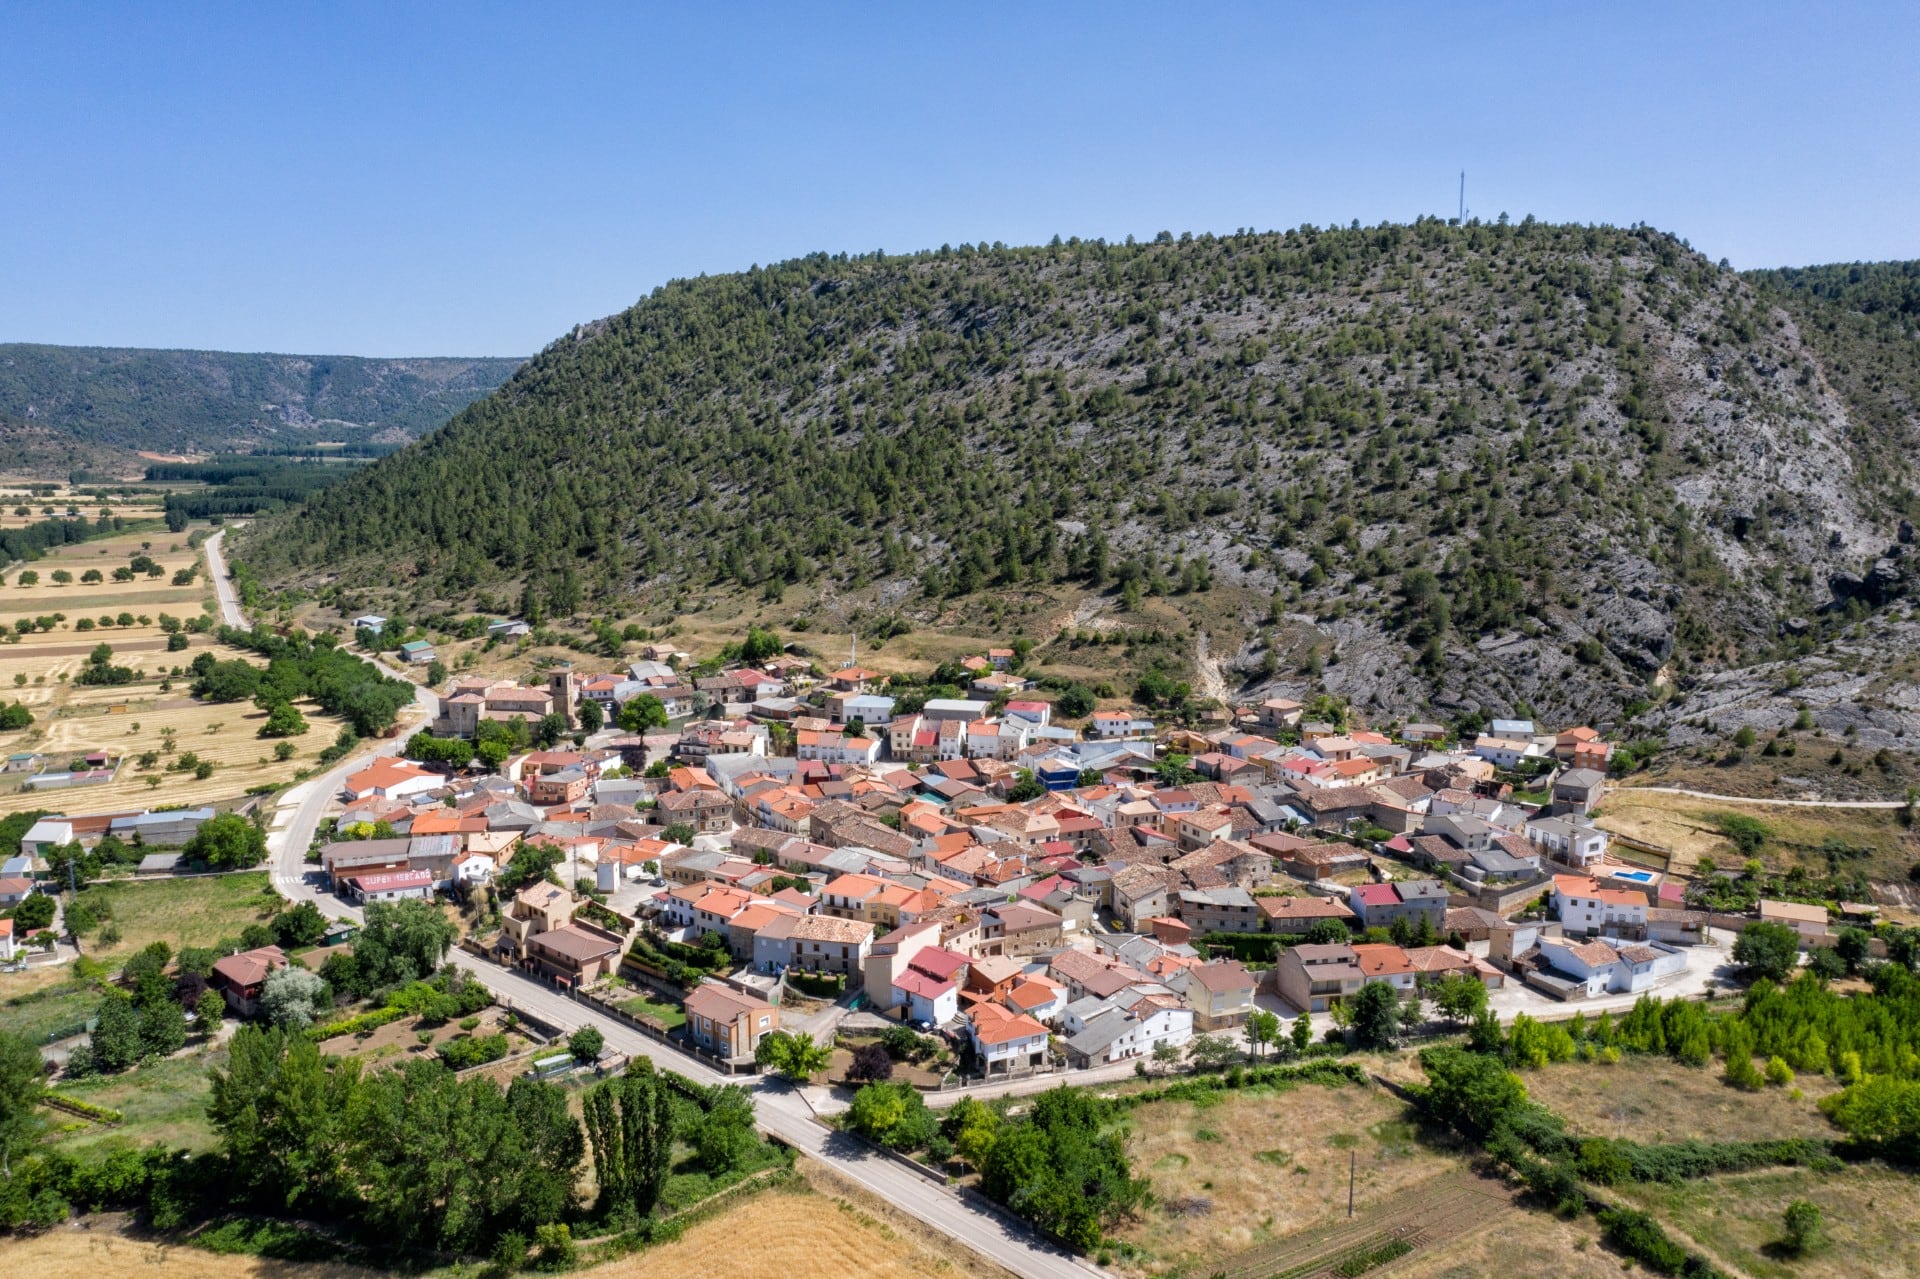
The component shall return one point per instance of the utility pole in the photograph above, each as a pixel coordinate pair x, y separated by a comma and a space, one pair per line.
1353, 1163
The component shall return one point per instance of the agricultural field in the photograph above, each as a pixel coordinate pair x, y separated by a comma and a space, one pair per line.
163, 1101
811, 1230
793, 1232
1869, 1213
1247, 1171
43, 1002
1654, 1099
397, 1043
73, 720
1689, 828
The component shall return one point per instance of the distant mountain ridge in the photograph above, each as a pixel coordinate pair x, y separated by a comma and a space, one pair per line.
176, 402
1427, 466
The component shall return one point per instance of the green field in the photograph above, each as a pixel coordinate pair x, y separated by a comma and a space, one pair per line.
668, 1015
163, 1101
182, 912
39, 1013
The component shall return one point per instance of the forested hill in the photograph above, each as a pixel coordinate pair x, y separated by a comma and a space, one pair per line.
1486, 465
215, 401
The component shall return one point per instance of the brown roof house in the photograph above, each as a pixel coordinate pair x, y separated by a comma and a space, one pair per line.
574, 955
241, 977
1220, 994
1314, 978
728, 1023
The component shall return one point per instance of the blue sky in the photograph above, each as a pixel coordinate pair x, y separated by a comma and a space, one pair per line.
415, 179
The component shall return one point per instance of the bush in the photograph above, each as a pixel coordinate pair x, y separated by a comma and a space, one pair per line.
1806, 1229
871, 1064
475, 1050
586, 1044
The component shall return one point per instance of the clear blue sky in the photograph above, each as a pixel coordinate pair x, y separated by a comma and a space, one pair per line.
416, 179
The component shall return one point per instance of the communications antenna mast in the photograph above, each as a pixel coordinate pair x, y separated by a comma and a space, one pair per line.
1463, 197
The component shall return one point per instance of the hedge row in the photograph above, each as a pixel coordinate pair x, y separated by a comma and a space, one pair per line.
86, 1109
1332, 1073
356, 1024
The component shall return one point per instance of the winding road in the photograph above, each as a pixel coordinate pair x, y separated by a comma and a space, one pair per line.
783, 1112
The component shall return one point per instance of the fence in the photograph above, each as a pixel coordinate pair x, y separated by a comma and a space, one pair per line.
651, 1031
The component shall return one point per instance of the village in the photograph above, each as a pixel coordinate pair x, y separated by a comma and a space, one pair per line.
1038, 897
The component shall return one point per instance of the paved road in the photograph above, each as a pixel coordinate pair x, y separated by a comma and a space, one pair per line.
1747, 799
230, 613
781, 1111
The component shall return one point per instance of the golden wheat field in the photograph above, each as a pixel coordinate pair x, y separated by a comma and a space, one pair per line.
72, 720
775, 1235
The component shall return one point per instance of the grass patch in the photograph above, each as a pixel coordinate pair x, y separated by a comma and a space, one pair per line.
1654, 1099
163, 1101
183, 912
1869, 1213
668, 1015
40, 1013
1278, 1167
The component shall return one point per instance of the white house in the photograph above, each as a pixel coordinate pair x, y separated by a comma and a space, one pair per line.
1583, 906
391, 779
1602, 967
927, 1000
1568, 840
1005, 1040
473, 868
369, 622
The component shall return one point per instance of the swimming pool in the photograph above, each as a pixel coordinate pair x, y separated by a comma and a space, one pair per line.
1637, 876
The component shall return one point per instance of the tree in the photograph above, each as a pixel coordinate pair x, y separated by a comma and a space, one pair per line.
586, 1044
1026, 787
1376, 1015
1328, 932
871, 1063
36, 911
227, 841
878, 1109
1165, 1055
22, 1082
1851, 946
163, 1028
725, 1133
550, 729
972, 1127
592, 718
641, 713
759, 646
116, 1033
401, 941
208, 1011
1806, 1229
629, 1125
679, 833
284, 720
290, 996
1767, 950
1302, 1033
1263, 1030
298, 926
1459, 997
791, 1054
1212, 1051
1074, 702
